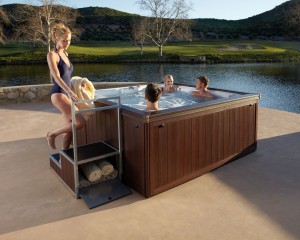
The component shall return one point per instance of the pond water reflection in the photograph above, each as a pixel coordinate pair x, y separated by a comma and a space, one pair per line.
279, 83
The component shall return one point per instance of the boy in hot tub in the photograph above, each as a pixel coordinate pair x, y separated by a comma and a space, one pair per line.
201, 88
152, 95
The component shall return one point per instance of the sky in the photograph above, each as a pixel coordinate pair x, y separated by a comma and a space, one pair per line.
219, 9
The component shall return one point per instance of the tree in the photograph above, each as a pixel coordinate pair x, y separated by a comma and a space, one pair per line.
3, 21
139, 36
33, 23
185, 31
166, 17
292, 17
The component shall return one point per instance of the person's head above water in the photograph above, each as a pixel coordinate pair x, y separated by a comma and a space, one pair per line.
169, 86
168, 80
202, 82
152, 92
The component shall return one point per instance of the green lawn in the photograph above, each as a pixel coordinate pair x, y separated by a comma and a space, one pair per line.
213, 50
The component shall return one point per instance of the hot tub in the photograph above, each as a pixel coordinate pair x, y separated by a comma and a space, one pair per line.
165, 148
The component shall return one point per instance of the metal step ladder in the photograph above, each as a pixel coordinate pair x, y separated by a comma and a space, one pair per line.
102, 192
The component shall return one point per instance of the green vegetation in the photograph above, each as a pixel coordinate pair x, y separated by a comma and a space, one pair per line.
211, 51
104, 24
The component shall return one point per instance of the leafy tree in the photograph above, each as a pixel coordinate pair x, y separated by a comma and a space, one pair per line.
166, 16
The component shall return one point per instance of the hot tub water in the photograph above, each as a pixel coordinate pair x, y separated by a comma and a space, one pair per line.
134, 96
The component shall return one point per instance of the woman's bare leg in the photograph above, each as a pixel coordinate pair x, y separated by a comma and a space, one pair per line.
67, 139
63, 103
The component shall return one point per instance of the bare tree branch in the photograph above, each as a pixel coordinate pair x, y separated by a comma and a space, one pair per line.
165, 17
139, 33
3, 21
33, 23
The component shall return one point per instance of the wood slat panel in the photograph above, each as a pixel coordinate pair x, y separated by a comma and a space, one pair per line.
187, 158
231, 148
171, 152
236, 130
242, 129
162, 144
208, 139
55, 167
247, 125
154, 153
221, 136
195, 144
226, 133
81, 136
252, 124
68, 177
134, 154
215, 142
201, 147
92, 133
179, 154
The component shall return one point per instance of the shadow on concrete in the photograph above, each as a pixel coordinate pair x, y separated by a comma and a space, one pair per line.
270, 180
31, 194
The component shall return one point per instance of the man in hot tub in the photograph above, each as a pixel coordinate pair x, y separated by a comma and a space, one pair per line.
152, 95
201, 88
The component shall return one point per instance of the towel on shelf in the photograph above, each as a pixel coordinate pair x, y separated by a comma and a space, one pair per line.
91, 171
106, 167
110, 176
84, 89
83, 182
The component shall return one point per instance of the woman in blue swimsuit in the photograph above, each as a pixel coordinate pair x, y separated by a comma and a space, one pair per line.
61, 95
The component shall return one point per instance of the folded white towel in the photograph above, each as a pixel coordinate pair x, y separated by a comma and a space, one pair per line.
110, 176
106, 167
83, 182
84, 89
91, 171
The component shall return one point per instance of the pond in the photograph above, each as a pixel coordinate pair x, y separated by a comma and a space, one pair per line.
278, 83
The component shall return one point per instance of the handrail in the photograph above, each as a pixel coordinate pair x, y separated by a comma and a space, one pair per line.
74, 111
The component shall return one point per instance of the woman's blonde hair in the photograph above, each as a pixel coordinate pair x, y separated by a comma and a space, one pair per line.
58, 31
167, 77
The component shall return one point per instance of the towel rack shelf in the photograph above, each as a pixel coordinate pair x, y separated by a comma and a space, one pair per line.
90, 152
90, 145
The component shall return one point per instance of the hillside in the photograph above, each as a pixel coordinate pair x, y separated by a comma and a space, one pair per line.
282, 22
104, 24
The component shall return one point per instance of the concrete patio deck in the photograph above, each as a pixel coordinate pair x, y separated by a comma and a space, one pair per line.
256, 197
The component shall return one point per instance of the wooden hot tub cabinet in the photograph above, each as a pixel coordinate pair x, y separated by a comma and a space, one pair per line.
166, 148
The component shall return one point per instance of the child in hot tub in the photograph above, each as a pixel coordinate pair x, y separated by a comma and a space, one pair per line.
169, 84
201, 88
152, 95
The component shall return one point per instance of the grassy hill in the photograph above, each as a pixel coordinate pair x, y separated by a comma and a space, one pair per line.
205, 51
104, 36
105, 24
